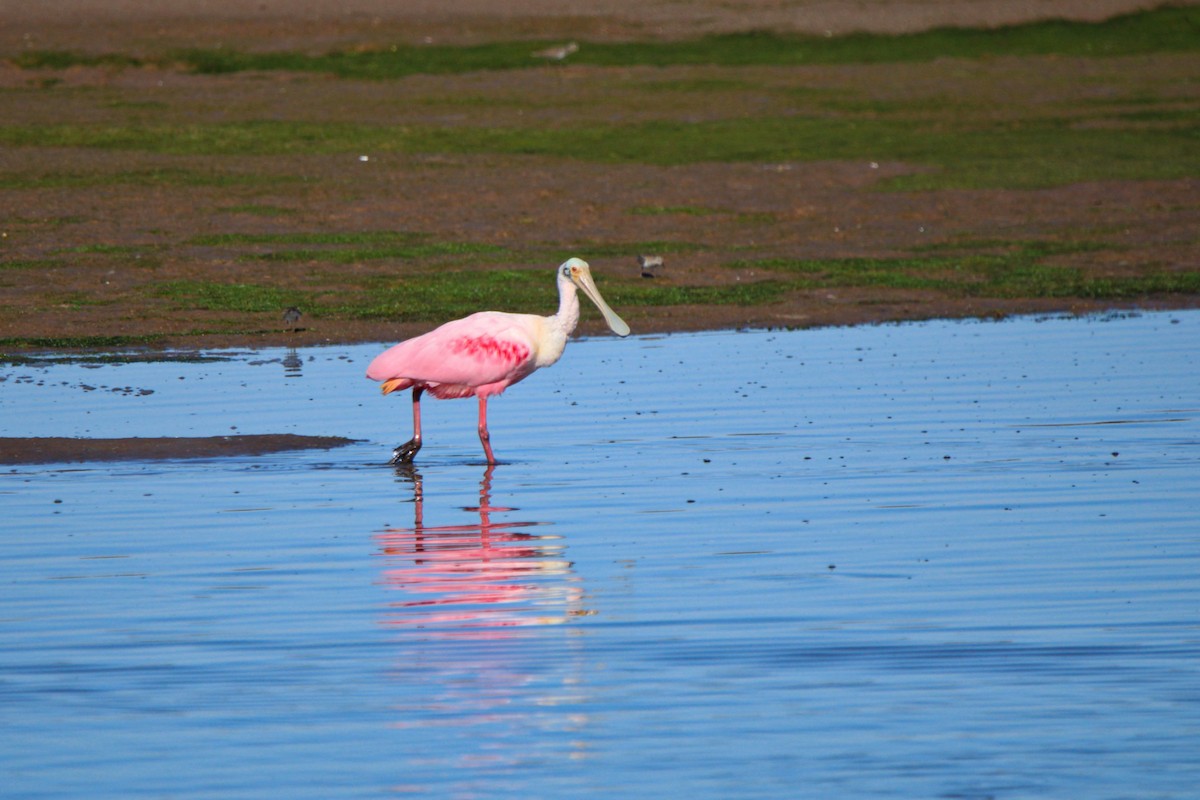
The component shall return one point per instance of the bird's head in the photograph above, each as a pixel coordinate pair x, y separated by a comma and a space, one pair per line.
577, 272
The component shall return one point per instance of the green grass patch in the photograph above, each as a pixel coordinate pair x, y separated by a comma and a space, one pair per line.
237, 138
392, 62
348, 247
710, 86
688, 211
242, 297
352, 255
259, 210
313, 238
701, 211
32, 263
973, 143
134, 250
448, 295
138, 177
1169, 29
1012, 270
64, 59
967, 153
75, 343
427, 297
138, 105
743, 293
79, 299
587, 250
439, 296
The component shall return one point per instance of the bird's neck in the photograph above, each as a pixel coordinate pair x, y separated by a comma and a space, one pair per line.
568, 308
553, 338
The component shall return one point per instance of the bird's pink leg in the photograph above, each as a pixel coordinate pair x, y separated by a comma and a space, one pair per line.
405, 453
485, 437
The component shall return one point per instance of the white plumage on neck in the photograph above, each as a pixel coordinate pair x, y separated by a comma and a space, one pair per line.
555, 330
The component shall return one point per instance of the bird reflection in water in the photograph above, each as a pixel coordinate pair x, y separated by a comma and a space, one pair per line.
476, 579
488, 672
293, 366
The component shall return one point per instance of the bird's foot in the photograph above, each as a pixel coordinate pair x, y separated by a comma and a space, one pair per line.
405, 453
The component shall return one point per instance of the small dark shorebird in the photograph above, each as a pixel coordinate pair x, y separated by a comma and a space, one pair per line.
291, 317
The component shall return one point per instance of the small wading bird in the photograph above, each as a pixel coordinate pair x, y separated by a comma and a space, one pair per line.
649, 265
291, 317
558, 53
485, 353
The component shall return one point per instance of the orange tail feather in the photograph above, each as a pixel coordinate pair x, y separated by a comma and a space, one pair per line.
394, 384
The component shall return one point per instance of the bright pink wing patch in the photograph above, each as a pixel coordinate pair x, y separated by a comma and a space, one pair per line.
488, 349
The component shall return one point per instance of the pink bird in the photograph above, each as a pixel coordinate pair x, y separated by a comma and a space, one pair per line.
485, 353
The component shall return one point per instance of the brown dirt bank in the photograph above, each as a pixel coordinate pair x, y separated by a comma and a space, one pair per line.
55, 450
89, 235
128, 25
131, 241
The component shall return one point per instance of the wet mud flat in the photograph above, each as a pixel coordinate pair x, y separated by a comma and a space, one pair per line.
707, 563
61, 449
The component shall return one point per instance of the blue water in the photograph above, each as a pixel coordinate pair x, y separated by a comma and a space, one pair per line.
949, 559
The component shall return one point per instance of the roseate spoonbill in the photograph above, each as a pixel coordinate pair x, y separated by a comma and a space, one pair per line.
485, 353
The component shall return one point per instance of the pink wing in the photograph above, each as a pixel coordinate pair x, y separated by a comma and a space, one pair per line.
488, 350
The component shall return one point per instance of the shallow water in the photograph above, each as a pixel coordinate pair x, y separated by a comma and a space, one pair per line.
953, 559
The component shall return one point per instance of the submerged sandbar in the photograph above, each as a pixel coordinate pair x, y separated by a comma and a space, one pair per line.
64, 449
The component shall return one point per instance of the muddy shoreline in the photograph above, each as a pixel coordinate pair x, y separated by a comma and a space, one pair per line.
68, 450
91, 236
